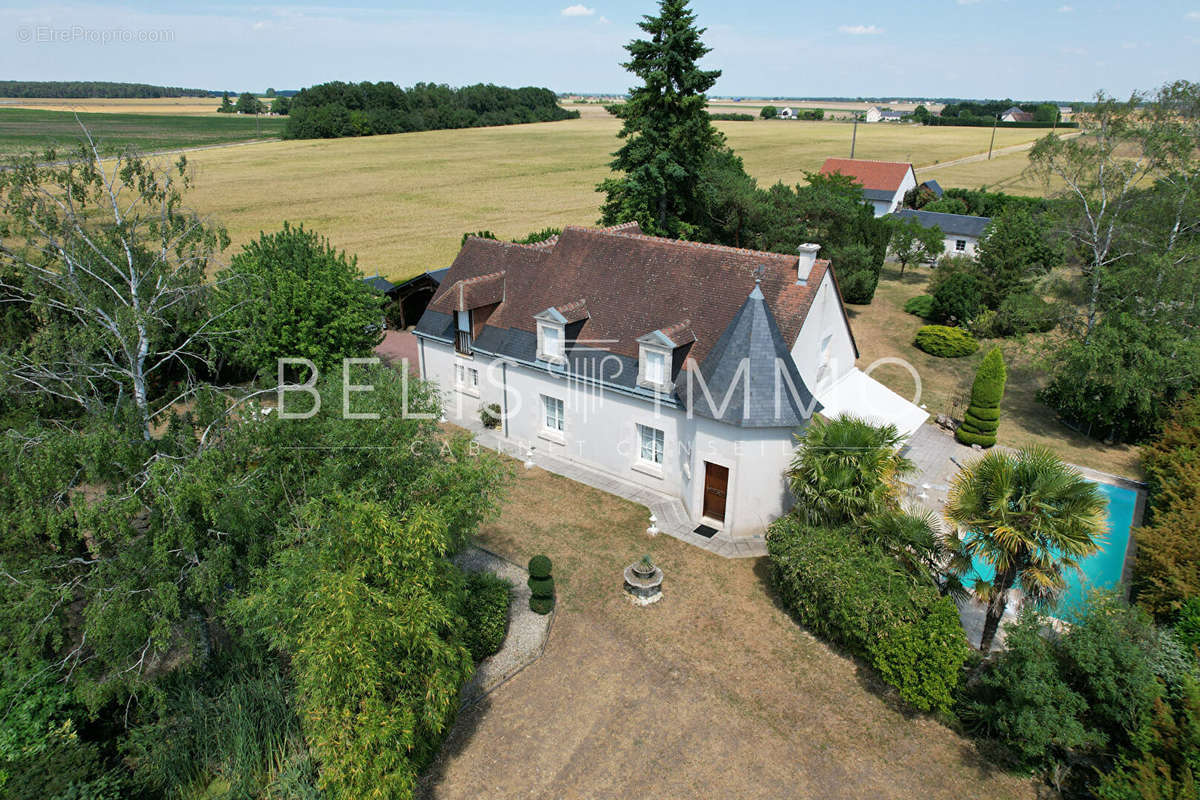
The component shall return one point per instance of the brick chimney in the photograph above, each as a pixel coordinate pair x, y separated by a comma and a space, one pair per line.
808, 257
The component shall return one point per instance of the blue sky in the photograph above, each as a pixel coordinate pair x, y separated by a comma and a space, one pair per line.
1066, 49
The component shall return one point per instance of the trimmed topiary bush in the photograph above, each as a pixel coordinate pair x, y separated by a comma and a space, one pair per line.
486, 612
921, 305
541, 585
944, 342
539, 567
982, 419
852, 592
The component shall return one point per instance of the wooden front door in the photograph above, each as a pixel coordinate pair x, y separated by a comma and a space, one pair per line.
716, 485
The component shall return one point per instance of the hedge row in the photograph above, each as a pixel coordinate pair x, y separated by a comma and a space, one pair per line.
853, 593
987, 122
486, 611
945, 342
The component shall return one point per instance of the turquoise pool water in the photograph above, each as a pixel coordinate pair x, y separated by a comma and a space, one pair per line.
1102, 570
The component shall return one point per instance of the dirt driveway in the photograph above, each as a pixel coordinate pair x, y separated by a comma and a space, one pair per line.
712, 693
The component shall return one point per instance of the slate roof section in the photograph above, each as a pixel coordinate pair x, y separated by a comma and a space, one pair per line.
618, 284
934, 187
381, 285
951, 224
873, 175
750, 376
438, 274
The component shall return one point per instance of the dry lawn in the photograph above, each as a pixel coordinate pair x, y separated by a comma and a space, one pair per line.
714, 692
402, 202
882, 329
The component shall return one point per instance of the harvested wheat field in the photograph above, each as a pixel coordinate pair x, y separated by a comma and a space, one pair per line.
714, 692
192, 106
401, 203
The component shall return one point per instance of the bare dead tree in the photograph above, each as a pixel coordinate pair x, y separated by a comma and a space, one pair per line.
114, 270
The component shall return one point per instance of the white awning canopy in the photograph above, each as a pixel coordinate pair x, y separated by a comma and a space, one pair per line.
857, 394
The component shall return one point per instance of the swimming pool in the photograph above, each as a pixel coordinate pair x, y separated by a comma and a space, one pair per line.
1102, 570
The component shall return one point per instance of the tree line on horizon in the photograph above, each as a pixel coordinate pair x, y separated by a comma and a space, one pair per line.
95, 89
336, 109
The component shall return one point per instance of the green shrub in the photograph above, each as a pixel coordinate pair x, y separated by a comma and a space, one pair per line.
486, 612
539, 567
1026, 312
489, 415
983, 324
921, 305
541, 605
853, 593
982, 419
944, 342
1187, 626
541, 587
958, 298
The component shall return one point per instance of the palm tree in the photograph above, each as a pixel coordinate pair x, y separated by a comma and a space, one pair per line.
1031, 518
845, 470
916, 538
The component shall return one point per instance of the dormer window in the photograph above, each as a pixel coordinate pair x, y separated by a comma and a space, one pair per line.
551, 336
656, 366
552, 342
656, 355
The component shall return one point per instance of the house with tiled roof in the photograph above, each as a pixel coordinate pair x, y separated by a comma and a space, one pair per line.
1015, 114
680, 366
884, 182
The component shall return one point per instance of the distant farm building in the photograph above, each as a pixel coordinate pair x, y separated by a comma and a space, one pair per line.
877, 114
884, 182
962, 231
1015, 114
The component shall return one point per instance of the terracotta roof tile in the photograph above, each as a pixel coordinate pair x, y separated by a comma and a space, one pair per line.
878, 175
632, 283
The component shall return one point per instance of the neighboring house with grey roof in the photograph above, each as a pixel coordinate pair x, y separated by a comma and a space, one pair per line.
962, 231
681, 366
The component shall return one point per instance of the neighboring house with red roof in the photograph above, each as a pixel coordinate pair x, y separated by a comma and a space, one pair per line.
884, 182
681, 366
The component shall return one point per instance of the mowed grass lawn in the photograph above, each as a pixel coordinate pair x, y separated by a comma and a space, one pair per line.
714, 692
23, 130
401, 203
883, 329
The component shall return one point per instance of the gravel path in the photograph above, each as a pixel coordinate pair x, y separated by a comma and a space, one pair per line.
527, 631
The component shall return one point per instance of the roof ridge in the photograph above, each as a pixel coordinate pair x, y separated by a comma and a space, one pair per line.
682, 242
480, 278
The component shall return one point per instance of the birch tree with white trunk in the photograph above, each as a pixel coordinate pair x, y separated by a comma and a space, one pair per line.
113, 270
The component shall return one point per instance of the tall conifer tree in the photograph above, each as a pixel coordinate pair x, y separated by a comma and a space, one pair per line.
667, 132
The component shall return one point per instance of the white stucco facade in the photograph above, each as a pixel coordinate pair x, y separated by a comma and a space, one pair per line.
883, 207
600, 429
969, 244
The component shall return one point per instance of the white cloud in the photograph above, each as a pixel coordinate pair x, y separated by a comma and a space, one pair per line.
578, 10
603, 20
1065, 9
1073, 51
967, 2
860, 30
1193, 15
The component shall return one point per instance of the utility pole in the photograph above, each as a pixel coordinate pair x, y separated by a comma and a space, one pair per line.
995, 122
854, 136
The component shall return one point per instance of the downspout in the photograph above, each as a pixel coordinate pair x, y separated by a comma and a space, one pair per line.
504, 395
